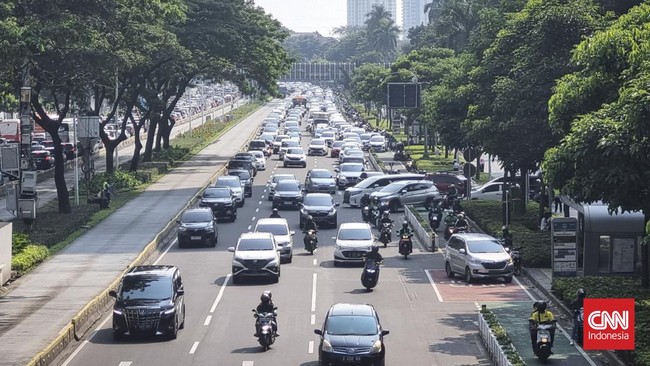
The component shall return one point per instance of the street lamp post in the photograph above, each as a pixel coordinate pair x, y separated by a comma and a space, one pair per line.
76, 161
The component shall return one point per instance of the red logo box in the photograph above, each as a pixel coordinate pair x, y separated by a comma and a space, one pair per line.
608, 324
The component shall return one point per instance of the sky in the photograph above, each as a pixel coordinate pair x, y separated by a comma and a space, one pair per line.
307, 15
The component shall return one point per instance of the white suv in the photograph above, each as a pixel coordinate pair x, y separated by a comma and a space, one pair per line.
256, 255
295, 156
283, 236
353, 240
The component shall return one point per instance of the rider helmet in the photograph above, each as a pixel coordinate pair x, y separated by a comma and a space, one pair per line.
541, 306
309, 217
266, 297
581, 293
386, 214
405, 225
461, 216
275, 211
374, 249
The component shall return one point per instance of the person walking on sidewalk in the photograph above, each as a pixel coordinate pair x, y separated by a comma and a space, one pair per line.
576, 306
557, 203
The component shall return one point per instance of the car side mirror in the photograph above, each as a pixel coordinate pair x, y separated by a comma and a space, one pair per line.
180, 292
292, 232
385, 332
231, 249
112, 293
337, 204
403, 191
337, 170
462, 251
334, 238
318, 331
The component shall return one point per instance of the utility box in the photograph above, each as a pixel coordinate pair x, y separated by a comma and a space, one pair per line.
28, 183
26, 208
6, 231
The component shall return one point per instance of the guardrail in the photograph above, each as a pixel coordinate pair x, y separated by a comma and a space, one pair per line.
422, 230
491, 344
92, 312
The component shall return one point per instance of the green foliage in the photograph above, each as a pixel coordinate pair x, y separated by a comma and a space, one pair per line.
502, 338
536, 244
119, 179
19, 242
614, 287
52, 227
28, 258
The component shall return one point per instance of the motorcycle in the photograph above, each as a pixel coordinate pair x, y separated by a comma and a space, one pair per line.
543, 350
384, 235
399, 155
405, 245
365, 214
374, 216
265, 334
370, 274
515, 254
580, 320
311, 241
434, 220
452, 229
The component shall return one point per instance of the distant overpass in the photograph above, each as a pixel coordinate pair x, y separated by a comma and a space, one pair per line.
323, 71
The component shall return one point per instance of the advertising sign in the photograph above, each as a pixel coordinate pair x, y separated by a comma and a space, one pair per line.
564, 246
608, 324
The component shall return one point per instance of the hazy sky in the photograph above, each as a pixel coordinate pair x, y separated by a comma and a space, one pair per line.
307, 15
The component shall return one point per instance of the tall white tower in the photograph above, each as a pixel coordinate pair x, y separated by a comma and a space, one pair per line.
358, 9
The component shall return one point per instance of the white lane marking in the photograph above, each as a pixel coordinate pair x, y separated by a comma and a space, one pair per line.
311, 347
264, 191
249, 227
435, 288
220, 295
315, 262
313, 319
125, 363
257, 210
253, 219
207, 320
194, 347
109, 317
313, 292
260, 202
584, 355
247, 363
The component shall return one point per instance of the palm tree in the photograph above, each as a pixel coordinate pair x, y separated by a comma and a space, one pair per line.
377, 15
432, 10
382, 32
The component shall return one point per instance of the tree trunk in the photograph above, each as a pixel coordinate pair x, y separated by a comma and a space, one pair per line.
525, 190
137, 147
645, 268
151, 135
110, 157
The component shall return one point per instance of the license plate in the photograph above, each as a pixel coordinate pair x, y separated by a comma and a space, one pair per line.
195, 238
355, 254
351, 358
288, 202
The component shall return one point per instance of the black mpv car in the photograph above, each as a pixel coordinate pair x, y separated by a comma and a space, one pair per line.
150, 300
222, 202
287, 194
197, 225
351, 334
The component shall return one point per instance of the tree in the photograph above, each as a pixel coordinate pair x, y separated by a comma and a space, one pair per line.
604, 155
381, 32
368, 84
308, 46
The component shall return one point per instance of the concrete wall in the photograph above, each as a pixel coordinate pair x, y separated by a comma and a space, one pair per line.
5, 252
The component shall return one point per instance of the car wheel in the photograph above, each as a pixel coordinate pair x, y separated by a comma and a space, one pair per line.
233, 218
448, 270
304, 165
181, 244
213, 243
301, 224
270, 198
507, 279
182, 321
290, 259
284, 165
276, 279
173, 334
468, 275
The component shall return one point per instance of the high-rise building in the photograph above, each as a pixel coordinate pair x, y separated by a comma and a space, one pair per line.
358, 9
413, 14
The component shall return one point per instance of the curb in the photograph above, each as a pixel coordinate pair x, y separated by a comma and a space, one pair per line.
611, 356
92, 312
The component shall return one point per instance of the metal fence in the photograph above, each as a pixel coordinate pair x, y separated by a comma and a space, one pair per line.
426, 236
490, 341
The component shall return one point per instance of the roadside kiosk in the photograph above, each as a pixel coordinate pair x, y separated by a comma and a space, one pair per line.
607, 244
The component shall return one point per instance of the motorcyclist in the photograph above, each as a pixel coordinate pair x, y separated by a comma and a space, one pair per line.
385, 218
266, 305
374, 254
507, 237
365, 200
576, 305
540, 315
452, 193
310, 225
461, 222
275, 214
435, 211
405, 230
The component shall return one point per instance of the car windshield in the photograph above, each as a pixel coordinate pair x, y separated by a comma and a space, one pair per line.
280, 138
242, 174
338, 143
258, 144
145, 287
351, 167
277, 178
318, 200
351, 325
328, 134
318, 142
234, 183
258, 154
295, 151
255, 244
377, 139
320, 174
216, 193
290, 143
355, 234
485, 246
190, 217
393, 187
287, 185
275, 229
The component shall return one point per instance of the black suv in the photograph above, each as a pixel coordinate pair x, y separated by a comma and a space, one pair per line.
222, 202
287, 193
246, 180
149, 300
351, 334
197, 225
236, 164
246, 156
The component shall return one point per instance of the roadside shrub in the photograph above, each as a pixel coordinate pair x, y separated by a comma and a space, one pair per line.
615, 287
18, 242
172, 154
146, 175
502, 338
52, 227
536, 244
29, 258
119, 179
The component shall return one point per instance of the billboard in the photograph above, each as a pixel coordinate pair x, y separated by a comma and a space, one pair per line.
403, 95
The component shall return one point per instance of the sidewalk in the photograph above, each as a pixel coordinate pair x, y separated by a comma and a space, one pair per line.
43, 302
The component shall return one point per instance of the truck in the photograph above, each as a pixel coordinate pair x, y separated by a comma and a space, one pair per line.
10, 129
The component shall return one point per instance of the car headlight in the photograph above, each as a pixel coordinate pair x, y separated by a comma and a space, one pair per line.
118, 311
273, 263
376, 347
182, 228
209, 228
327, 347
338, 247
169, 311
333, 210
303, 211
237, 262
510, 260
474, 260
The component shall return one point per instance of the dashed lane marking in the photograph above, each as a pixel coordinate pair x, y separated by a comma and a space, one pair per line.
313, 319
194, 347
125, 363
313, 292
433, 284
220, 295
253, 218
249, 227
311, 347
248, 363
315, 262
257, 210
207, 320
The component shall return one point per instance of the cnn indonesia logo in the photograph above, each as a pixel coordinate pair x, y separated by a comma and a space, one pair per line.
609, 324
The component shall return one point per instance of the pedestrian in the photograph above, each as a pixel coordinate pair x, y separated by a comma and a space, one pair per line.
558, 203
